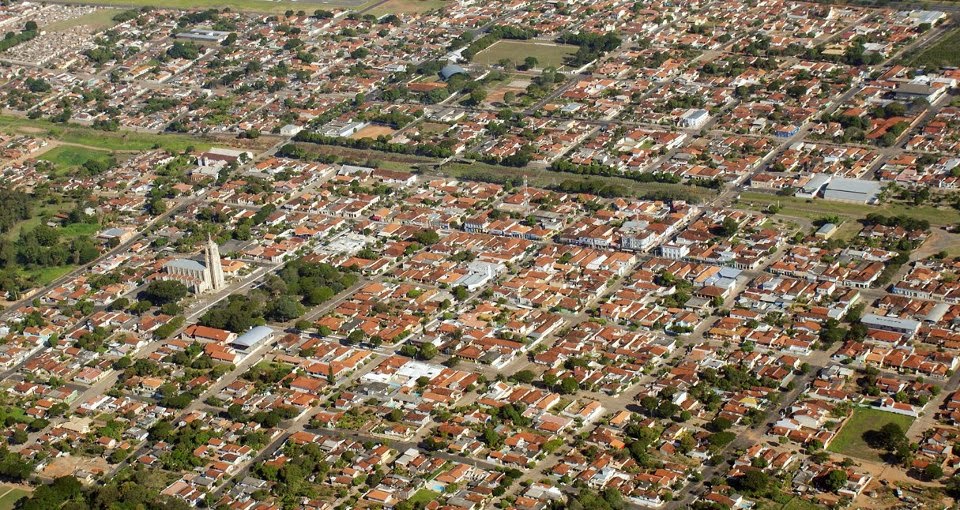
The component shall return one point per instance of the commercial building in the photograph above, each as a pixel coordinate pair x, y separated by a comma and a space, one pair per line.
852, 190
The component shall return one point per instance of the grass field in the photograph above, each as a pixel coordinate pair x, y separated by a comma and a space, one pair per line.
67, 157
943, 53
817, 208
82, 135
45, 275
241, 5
546, 178
10, 496
96, 21
80, 230
849, 440
423, 496
407, 7
547, 54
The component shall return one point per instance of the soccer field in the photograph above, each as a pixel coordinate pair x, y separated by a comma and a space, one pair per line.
547, 54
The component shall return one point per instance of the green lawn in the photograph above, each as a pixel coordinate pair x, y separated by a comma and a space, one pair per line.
943, 53
117, 140
10, 497
80, 229
423, 496
45, 275
818, 208
849, 440
547, 54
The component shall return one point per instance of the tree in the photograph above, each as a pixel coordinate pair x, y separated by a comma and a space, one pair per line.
477, 96
754, 481
161, 292
355, 337
427, 237
524, 376
492, 439
427, 351
932, 472
719, 424
569, 386
19, 437
729, 227
835, 480
530, 62
284, 308
461, 293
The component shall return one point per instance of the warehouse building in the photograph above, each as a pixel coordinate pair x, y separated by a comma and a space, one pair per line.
852, 190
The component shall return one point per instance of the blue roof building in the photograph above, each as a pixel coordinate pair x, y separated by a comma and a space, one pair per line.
450, 70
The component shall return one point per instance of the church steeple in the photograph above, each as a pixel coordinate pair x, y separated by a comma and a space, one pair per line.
214, 265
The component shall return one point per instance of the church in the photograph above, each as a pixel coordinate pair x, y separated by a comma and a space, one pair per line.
198, 277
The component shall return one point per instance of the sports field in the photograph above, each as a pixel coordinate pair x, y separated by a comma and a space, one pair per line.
9, 496
547, 54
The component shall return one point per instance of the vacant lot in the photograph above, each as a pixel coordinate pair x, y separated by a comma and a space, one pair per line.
373, 131
942, 54
818, 208
850, 439
67, 158
547, 54
108, 140
407, 6
67, 466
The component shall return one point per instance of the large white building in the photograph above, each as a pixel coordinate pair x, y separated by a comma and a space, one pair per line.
196, 276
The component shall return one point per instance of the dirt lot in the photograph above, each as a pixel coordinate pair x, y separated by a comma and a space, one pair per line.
373, 132
65, 466
496, 96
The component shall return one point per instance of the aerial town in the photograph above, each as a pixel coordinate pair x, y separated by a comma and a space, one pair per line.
462, 255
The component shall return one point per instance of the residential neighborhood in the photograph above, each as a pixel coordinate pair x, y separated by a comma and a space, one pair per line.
460, 255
